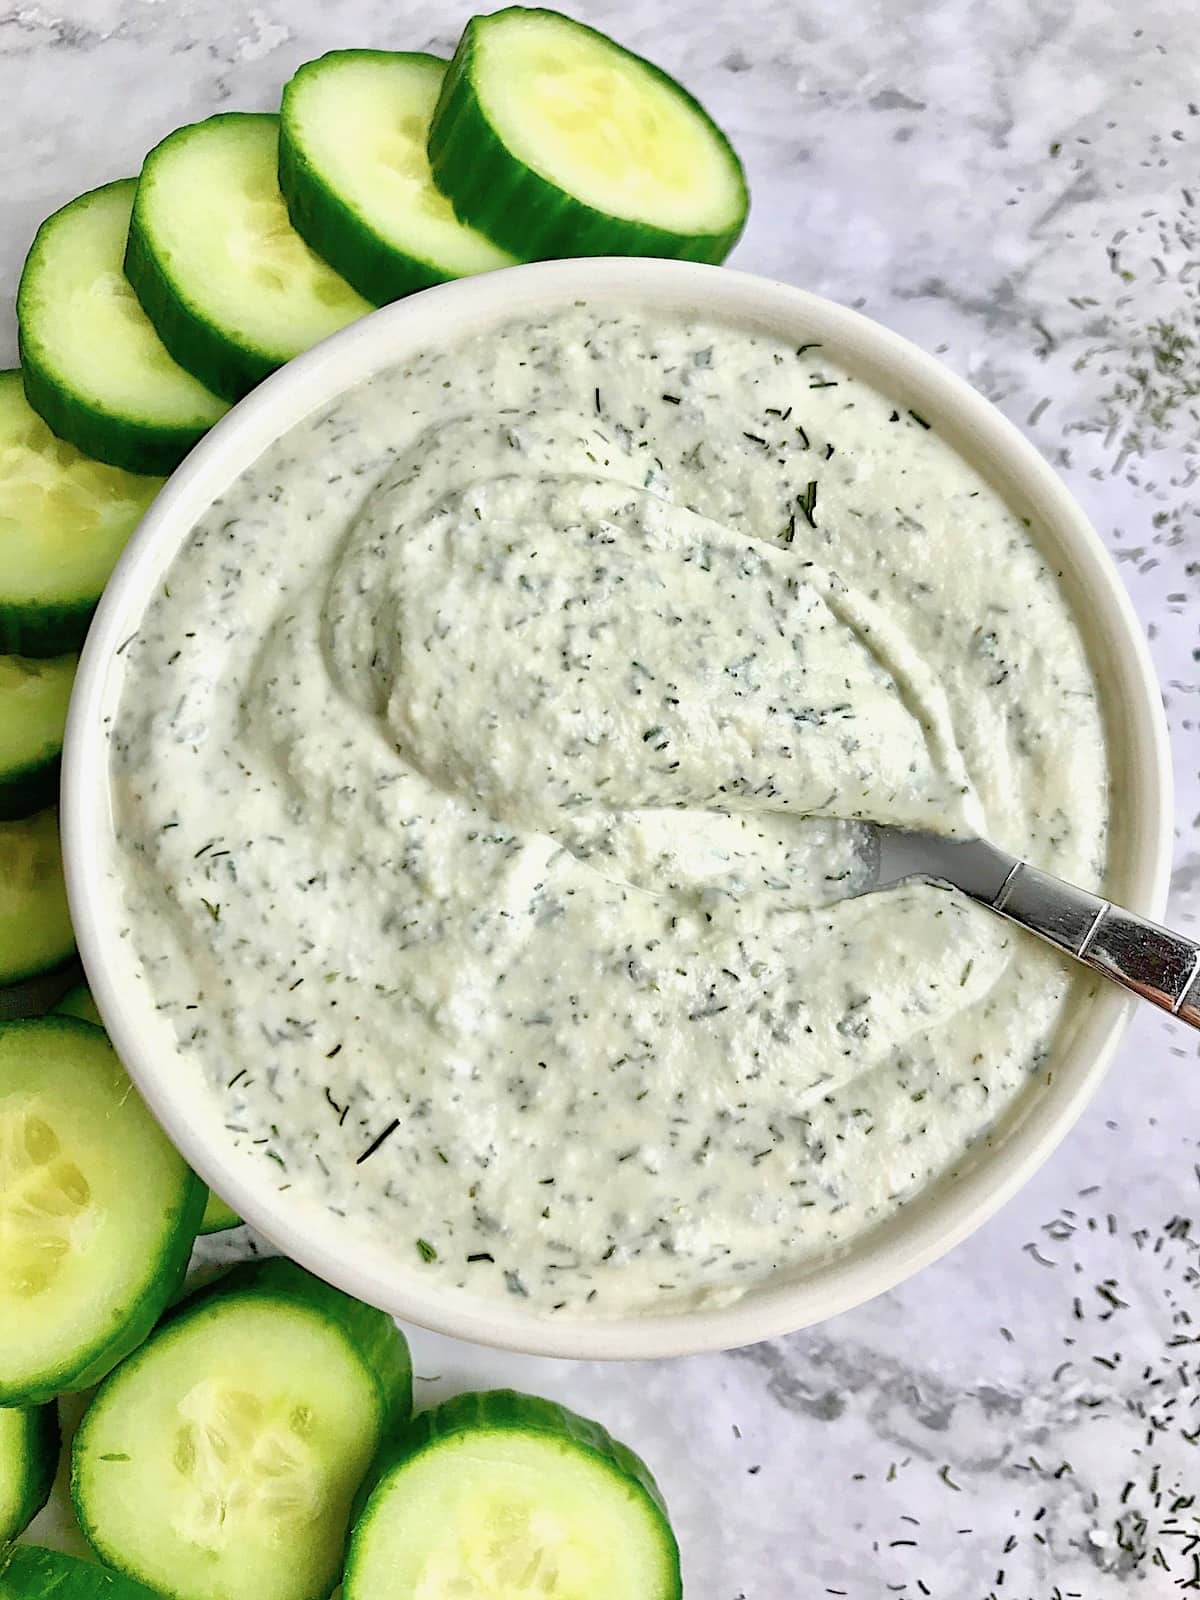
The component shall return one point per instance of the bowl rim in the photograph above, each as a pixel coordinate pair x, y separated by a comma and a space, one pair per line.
935, 1221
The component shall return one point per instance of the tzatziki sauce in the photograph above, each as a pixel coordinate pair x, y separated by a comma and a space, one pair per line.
488, 784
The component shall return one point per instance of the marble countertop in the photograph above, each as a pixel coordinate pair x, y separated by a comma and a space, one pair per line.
1011, 186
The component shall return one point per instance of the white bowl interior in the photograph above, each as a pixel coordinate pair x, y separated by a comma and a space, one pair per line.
1138, 758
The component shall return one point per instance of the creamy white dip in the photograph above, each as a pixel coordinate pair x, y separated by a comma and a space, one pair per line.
484, 784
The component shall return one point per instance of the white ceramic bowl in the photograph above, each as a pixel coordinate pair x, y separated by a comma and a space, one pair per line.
1140, 841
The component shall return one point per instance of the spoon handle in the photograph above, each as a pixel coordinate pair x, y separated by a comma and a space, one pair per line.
1161, 966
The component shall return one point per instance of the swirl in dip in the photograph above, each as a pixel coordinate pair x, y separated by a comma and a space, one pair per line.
485, 783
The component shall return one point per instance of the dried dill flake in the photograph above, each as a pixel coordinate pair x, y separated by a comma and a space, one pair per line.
808, 502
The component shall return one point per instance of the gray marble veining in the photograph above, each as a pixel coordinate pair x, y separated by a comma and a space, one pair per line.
1012, 187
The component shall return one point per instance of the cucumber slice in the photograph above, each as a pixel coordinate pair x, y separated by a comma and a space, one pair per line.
27, 1572
353, 169
218, 1217
33, 714
97, 1211
64, 520
35, 925
29, 1447
94, 368
554, 141
230, 285
507, 1495
78, 1002
220, 1461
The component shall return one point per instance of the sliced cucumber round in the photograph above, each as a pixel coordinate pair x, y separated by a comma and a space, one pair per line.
554, 141
27, 1572
93, 366
221, 1460
78, 1002
504, 1494
97, 1211
29, 1447
353, 169
231, 287
218, 1217
64, 520
33, 714
35, 924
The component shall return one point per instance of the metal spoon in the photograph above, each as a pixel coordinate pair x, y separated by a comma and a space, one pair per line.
1160, 966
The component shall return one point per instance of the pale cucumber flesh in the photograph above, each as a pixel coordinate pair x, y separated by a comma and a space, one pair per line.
35, 924
33, 707
218, 1217
506, 1495
210, 212
97, 1210
78, 1002
360, 118
29, 1449
240, 1431
81, 320
64, 520
602, 125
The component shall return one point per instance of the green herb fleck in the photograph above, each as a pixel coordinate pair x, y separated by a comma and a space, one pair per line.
808, 502
377, 1141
